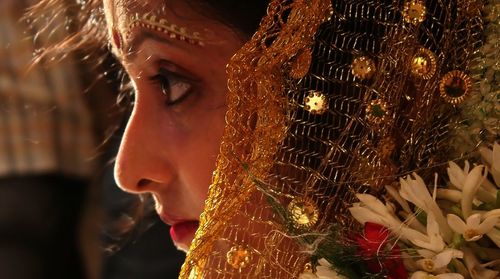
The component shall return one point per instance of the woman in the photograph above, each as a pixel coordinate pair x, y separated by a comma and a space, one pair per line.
325, 100
173, 135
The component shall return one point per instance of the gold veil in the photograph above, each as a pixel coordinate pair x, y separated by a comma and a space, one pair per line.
329, 99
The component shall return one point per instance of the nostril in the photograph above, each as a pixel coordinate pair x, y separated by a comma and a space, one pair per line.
143, 182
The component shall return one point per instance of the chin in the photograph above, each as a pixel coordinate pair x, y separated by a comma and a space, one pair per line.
182, 247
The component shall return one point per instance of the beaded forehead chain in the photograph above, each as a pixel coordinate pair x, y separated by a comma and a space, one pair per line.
159, 25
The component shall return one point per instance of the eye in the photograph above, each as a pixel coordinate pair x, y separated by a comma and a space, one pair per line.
175, 87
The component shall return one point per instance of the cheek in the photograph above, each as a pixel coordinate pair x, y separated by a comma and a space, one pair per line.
196, 146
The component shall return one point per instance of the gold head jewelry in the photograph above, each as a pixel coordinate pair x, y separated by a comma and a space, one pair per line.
162, 25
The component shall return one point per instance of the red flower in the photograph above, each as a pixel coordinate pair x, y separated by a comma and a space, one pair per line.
380, 255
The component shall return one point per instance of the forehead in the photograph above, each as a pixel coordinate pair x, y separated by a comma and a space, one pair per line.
178, 19
119, 13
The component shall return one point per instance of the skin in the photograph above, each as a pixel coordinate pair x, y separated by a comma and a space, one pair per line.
169, 149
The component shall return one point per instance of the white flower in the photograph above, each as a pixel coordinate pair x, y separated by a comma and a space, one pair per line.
457, 175
492, 158
397, 197
433, 262
476, 270
492, 213
323, 271
448, 194
432, 241
425, 275
494, 235
416, 192
413, 222
473, 229
371, 209
471, 185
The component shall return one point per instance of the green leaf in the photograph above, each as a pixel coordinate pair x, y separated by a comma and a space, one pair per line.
452, 267
457, 241
487, 206
422, 216
457, 210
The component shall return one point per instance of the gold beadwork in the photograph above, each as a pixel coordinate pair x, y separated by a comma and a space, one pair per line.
376, 112
316, 102
238, 257
149, 21
301, 65
414, 11
423, 63
363, 67
455, 86
303, 212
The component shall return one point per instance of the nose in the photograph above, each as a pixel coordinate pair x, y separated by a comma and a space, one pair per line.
141, 165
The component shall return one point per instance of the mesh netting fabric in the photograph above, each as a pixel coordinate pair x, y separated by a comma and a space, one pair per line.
376, 122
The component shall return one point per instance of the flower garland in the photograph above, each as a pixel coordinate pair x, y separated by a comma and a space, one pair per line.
480, 113
450, 232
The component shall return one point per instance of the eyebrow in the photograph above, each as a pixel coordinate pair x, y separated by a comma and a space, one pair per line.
139, 38
146, 34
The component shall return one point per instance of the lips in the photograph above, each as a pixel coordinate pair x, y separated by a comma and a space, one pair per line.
181, 231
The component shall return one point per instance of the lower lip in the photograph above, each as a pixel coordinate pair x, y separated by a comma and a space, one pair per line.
184, 231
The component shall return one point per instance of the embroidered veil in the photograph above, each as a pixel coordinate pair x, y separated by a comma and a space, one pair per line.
330, 99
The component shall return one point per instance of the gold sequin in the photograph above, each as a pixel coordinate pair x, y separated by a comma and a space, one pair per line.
303, 212
238, 257
423, 63
455, 86
308, 268
414, 11
301, 65
363, 67
316, 102
376, 112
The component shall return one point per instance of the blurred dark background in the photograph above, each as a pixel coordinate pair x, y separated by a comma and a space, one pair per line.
61, 214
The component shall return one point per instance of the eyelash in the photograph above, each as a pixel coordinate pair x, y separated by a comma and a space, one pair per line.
167, 81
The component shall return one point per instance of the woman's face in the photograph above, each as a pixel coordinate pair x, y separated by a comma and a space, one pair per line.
172, 138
